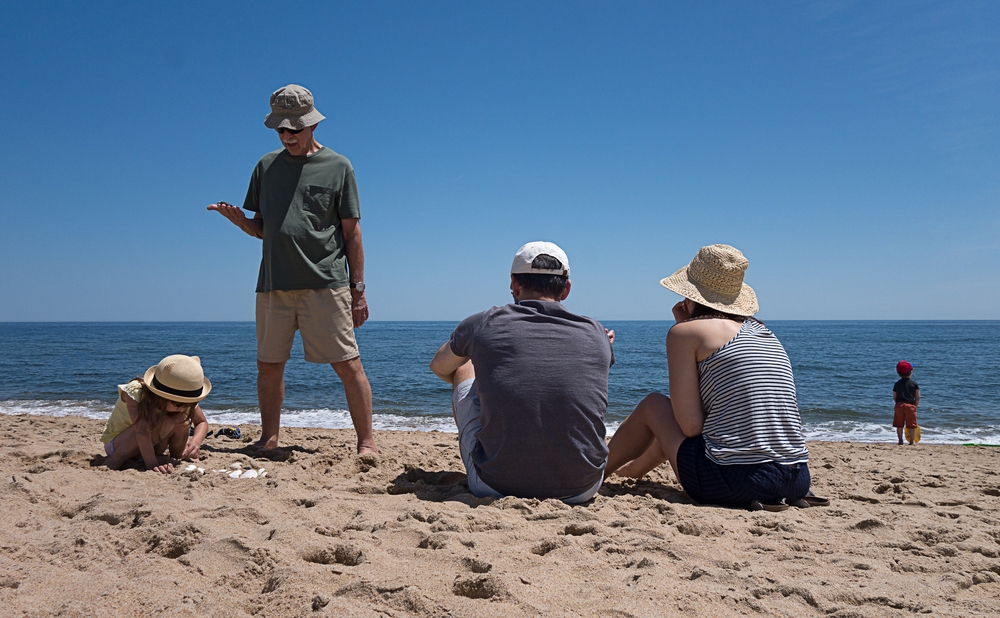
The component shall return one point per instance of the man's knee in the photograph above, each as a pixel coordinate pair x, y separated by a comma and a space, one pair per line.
270, 370
349, 370
463, 373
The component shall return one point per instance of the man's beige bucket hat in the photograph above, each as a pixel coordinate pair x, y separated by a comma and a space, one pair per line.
178, 378
714, 278
292, 107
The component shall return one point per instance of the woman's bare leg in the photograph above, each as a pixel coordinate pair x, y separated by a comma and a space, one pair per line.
647, 438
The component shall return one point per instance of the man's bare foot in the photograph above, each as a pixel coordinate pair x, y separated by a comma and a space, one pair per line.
268, 444
367, 446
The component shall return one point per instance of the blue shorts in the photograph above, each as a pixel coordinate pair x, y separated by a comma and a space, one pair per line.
737, 485
466, 404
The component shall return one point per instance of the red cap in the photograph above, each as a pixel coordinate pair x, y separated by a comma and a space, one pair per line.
903, 368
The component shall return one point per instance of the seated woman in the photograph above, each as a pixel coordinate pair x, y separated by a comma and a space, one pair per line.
730, 428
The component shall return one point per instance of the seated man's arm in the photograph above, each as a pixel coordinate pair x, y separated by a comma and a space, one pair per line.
446, 362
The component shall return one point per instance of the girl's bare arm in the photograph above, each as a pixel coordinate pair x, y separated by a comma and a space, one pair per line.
193, 448
144, 438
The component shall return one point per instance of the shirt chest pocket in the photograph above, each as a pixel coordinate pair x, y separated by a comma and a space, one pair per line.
319, 204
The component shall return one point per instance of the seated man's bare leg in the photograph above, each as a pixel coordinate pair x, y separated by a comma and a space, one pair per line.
463, 373
270, 395
359, 401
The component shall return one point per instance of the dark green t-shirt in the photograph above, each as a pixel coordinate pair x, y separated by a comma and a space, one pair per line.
302, 200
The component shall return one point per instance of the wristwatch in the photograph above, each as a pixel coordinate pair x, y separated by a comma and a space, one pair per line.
358, 285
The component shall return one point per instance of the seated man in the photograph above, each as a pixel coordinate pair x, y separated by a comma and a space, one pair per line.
530, 387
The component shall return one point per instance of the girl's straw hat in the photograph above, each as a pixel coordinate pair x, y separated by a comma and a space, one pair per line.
178, 378
714, 278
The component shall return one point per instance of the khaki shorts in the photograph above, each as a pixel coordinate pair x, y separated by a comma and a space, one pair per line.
323, 317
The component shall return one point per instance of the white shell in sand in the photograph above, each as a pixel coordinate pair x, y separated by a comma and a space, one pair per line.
249, 474
201, 470
236, 466
235, 474
190, 468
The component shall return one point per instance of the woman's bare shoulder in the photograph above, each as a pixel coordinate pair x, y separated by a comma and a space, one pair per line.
707, 326
708, 335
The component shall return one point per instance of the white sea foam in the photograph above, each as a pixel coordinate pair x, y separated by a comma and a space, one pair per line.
843, 431
830, 431
57, 407
335, 419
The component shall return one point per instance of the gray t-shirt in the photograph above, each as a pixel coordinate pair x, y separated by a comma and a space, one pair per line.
542, 383
302, 200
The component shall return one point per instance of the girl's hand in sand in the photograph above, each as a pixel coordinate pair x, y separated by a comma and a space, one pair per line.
164, 465
192, 451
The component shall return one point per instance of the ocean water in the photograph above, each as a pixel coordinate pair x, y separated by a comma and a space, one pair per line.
844, 372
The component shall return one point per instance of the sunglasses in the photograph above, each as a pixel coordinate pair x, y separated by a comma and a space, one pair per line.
283, 130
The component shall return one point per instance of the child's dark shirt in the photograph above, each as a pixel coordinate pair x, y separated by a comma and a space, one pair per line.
906, 391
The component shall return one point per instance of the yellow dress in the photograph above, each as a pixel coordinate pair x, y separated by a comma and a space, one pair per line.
120, 420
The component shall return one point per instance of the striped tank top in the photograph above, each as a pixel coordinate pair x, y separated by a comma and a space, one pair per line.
747, 390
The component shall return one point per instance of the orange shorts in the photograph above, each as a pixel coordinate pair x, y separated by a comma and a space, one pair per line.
905, 413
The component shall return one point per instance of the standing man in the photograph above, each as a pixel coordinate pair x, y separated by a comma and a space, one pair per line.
312, 272
530, 387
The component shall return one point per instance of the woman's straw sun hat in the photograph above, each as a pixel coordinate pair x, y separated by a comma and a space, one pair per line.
714, 278
178, 378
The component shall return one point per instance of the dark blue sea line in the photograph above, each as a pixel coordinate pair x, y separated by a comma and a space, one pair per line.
843, 369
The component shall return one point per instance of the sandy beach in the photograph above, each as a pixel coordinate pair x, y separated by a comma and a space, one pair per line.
911, 530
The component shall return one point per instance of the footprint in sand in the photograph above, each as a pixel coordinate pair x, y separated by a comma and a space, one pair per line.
480, 587
366, 462
476, 565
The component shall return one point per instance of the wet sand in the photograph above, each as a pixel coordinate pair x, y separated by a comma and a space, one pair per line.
911, 530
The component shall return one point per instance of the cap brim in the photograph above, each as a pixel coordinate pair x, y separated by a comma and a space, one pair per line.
294, 122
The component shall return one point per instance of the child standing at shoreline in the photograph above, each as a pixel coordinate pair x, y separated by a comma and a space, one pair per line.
906, 394
153, 413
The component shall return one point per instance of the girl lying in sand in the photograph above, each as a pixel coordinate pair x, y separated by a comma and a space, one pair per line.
154, 412
730, 428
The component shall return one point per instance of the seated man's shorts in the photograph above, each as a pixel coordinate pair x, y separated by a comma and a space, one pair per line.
323, 317
905, 415
466, 405
737, 485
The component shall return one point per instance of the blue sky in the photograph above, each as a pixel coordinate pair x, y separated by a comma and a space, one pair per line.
850, 149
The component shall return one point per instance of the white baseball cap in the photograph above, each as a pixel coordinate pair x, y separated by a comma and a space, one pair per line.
527, 254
